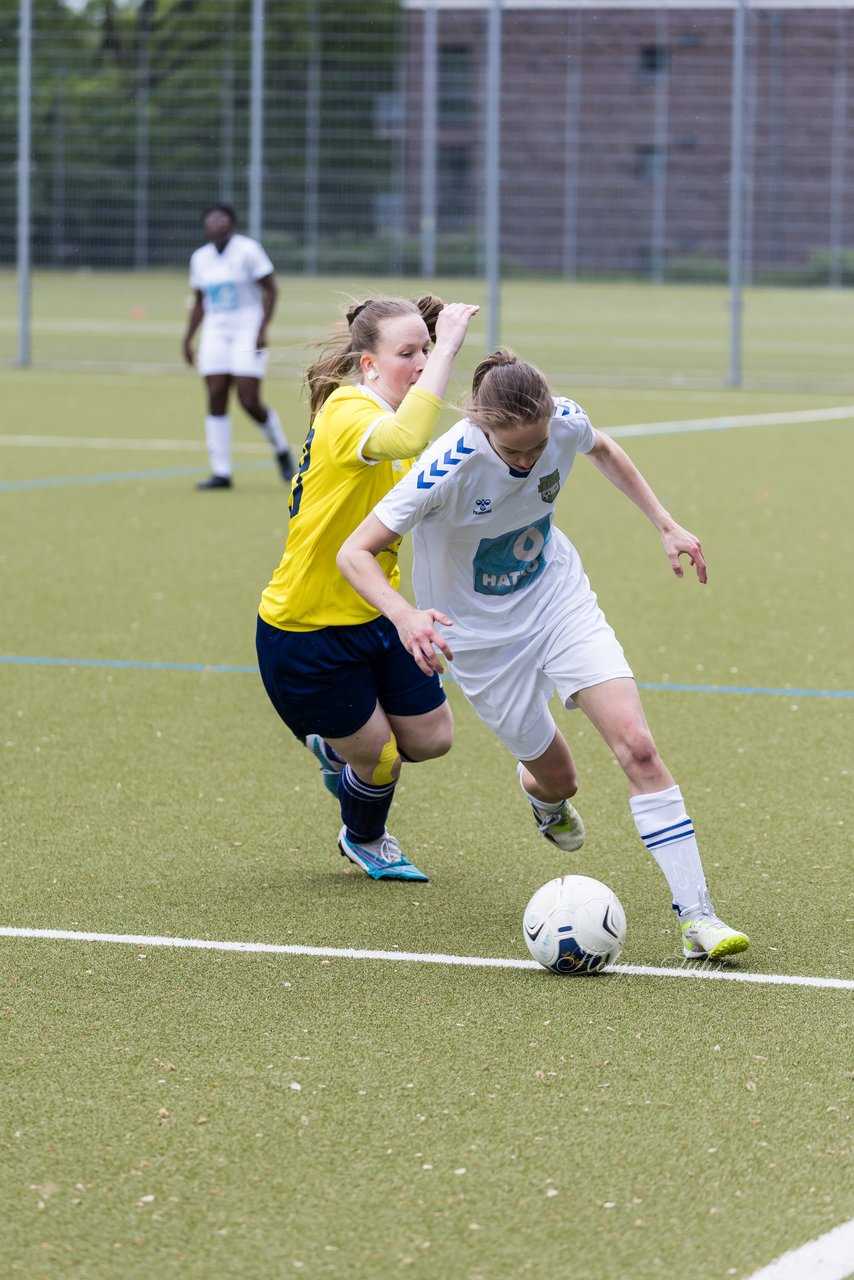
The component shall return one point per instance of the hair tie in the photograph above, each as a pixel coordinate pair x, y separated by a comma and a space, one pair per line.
357, 312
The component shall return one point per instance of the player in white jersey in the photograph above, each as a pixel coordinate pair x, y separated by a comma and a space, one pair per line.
235, 294
490, 564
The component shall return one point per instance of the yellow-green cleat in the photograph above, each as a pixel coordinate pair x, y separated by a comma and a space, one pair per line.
562, 826
706, 937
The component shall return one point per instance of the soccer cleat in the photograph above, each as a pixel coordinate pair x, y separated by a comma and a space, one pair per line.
381, 859
706, 937
331, 769
215, 482
563, 826
286, 465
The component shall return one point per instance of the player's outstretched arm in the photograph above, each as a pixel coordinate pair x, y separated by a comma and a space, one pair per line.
357, 561
616, 465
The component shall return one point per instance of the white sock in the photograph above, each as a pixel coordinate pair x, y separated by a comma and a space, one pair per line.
272, 429
218, 438
668, 834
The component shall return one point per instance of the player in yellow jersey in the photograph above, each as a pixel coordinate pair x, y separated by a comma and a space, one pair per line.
334, 668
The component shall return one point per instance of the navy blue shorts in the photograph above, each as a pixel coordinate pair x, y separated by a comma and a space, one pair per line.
330, 681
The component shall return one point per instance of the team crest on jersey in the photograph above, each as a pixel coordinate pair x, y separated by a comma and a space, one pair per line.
481, 506
549, 486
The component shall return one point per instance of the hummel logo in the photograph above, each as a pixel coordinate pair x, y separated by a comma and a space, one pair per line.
481, 506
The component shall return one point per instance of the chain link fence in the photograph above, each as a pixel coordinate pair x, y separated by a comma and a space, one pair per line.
371, 131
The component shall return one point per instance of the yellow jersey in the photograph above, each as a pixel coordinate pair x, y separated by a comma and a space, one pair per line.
334, 489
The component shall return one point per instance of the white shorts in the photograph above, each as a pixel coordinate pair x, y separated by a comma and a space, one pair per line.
231, 351
510, 686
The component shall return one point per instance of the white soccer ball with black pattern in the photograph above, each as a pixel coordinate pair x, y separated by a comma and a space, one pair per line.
574, 925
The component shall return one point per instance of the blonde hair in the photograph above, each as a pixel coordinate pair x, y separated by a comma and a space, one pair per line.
339, 359
507, 391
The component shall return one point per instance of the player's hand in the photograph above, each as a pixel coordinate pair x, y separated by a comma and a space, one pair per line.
679, 542
261, 340
419, 637
452, 324
189, 353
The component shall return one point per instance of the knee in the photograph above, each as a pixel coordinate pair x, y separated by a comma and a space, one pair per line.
637, 752
430, 742
440, 744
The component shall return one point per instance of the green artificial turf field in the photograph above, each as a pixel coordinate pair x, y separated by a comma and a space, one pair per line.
193, 1112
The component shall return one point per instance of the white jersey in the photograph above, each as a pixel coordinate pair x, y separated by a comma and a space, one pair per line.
486, 551
228, 282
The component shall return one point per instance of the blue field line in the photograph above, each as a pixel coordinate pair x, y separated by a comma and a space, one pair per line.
117, 477
750, 689
214, 669
128, 665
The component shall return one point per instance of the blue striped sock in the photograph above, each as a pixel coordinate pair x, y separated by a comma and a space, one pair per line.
668, 834
364, 807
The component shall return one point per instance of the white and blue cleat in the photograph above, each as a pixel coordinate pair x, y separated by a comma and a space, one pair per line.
331, 769
381, 859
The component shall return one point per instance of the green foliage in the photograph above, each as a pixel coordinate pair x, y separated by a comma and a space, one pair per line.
373, 254
141, 117
697, 269
823, 268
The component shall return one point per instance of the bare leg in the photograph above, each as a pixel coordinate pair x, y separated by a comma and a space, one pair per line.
426, 736
249, 395
552, 776
614, 708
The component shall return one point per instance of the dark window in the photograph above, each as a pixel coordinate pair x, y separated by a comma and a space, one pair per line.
654, 59
455, 88
651, 162
454, 188
388, 114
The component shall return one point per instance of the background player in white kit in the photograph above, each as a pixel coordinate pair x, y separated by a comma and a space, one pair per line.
235, 295
480, 501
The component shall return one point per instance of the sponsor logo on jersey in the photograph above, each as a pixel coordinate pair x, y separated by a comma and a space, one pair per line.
481, 506
549, 486
512, 561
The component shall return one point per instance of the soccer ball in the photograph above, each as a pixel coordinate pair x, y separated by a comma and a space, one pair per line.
574, 924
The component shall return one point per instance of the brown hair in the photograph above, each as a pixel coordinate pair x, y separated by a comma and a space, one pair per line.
507, 391
340, 357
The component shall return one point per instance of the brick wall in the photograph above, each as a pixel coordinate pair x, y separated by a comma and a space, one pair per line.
615, 133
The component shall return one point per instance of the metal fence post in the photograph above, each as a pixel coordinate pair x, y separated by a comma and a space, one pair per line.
736, 192
25, 60
429, 116
492, 152
837, 151
256, 122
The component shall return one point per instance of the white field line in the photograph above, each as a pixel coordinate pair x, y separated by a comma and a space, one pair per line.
835, 414
105, 442
838, 413
111, 328
830, 1257
412, 957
